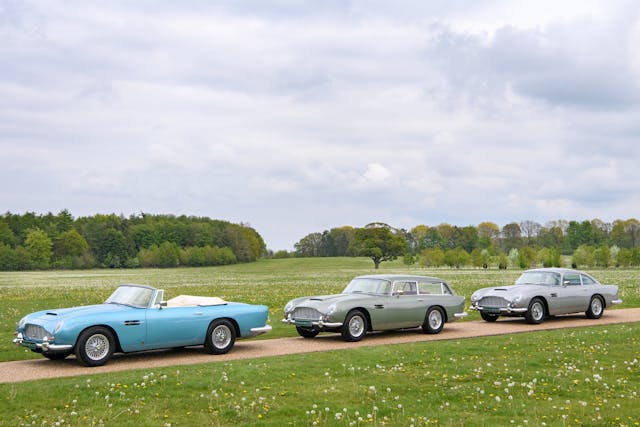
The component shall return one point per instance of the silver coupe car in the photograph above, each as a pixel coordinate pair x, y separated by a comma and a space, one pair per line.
543, 292
376, 303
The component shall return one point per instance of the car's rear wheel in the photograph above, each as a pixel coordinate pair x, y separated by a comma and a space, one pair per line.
95, 346
596, 307
536, 311
221, 336
433, 321
487, 317
307, 332
355, 326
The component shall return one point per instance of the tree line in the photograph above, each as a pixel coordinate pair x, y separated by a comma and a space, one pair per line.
524, 244
30, 241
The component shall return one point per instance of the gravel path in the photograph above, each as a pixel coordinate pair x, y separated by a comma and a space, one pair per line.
26, 370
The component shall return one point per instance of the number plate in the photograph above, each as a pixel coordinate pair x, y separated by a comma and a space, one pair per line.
304, 323
491, 310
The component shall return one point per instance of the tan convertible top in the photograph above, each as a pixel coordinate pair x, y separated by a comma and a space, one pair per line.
191, 301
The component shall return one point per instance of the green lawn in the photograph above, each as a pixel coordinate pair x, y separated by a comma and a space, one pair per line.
576, 377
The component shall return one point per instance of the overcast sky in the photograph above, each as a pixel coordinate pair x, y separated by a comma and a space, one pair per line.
300, 116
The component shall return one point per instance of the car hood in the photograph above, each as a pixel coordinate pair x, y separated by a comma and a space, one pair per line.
76, 312
508, 291
322, 301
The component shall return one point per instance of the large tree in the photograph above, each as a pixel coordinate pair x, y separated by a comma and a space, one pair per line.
378, 242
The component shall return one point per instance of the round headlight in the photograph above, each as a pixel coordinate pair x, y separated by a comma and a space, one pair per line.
22, 322
58, 327
475, 297
288, 307
331, 309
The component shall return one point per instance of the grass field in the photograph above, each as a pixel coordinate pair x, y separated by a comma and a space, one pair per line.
268, 282
587, 376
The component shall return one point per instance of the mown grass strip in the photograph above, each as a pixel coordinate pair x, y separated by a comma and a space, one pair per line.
579, 377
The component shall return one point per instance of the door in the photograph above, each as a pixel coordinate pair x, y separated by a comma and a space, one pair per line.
176, 326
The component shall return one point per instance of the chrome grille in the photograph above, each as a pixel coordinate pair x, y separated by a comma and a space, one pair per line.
493, 302
306, 313
34, 332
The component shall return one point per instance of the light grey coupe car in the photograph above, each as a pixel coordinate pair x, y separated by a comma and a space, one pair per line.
546, 292
376, 303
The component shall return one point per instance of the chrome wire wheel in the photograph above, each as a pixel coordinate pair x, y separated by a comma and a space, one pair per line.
536, 312
97, 347
221, 336
434, 321
596, 308
355, 326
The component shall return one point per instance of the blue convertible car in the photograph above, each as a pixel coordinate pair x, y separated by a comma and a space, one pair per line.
136, 318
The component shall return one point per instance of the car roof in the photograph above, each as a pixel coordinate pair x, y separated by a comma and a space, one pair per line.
558, 270
396, 277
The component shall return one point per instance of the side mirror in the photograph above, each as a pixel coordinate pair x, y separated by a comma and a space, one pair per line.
566, 283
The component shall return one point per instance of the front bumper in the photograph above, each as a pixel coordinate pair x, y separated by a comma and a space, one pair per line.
312, 323
499, 310
41, 347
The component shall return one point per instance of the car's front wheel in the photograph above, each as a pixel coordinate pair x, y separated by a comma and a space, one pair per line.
433, 321
536, 311
221, 336
307, 332
596, 307
488, 317
355, 326
95, 346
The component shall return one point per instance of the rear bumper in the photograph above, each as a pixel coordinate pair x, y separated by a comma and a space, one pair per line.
616, 301
259, 331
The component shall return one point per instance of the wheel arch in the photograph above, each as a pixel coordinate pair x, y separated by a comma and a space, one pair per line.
117, 349
602, 298
236, 327
366, 314
445, 316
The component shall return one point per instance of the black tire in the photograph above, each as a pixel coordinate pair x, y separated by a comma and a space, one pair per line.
433, 321
95, 346
307, 332
536, 312
56, 356
221, 336
596, 307
488, 317
355, 326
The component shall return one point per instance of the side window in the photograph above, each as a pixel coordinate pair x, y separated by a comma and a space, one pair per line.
406, 288
432, 288
573, 279
586, 280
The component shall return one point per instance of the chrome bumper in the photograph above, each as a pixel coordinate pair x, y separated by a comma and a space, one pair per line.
460, 315
44, 346
308, 323
259, 331
616, 301
502, 310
